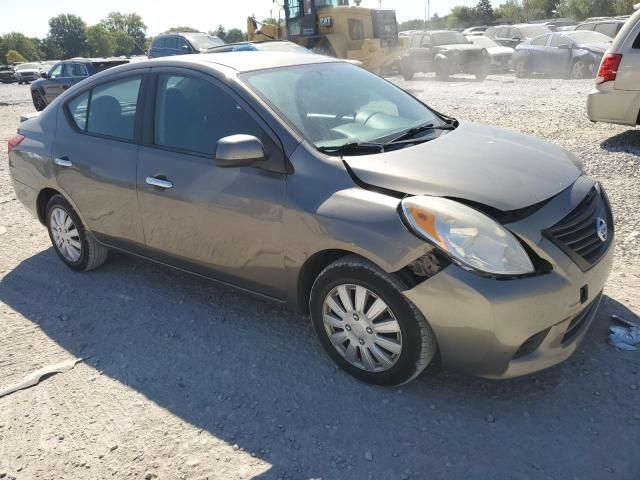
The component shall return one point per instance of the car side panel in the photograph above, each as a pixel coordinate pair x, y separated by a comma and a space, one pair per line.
336, 214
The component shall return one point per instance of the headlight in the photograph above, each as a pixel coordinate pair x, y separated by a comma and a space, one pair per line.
466, 235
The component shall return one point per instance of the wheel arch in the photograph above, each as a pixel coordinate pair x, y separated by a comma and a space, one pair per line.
43, 199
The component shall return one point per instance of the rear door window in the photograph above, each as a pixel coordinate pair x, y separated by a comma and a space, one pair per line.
540, 41
557, 40
80, 70
67, 70
112, 108
586, 26
182, 42
171, 42
609, 29
78, 110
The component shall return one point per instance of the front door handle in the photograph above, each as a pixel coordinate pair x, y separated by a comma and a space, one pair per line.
63, 162
157, 182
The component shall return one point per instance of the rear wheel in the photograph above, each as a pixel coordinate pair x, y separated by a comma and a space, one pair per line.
579, 69
70, 240
520, 69
442, 71
367, 325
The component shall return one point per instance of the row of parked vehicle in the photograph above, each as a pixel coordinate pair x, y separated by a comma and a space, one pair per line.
24, 72
572, 51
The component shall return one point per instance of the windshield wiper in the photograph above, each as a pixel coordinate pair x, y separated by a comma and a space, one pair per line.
421, 128
353, 147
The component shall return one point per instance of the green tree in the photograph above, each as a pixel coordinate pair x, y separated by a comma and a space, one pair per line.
623, 7
534, 9
130, 24
18, 42
220, 32
436, 22
509, 11
69, 33
124, 44
484, 12
414, 24
581, 9
461, 17
102, 43
14, 57
182, 29
235, 35
47, 49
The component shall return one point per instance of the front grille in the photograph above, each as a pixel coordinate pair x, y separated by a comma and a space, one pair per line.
581, 321
577, 233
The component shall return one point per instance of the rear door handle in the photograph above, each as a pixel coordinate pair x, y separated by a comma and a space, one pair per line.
63, 162
157, 182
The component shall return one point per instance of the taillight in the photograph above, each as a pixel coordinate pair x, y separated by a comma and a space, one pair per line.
14, 141
609, 68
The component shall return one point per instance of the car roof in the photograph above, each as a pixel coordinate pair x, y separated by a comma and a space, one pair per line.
94, 60
244, 61
168, 34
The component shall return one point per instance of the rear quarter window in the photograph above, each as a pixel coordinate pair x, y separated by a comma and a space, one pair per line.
78, 110
610, 29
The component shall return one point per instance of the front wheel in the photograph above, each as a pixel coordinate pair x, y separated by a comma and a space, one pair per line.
70, 240
367, 326
38, 101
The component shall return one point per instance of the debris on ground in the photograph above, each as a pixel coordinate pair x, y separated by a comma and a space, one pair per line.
624, 338
35, 377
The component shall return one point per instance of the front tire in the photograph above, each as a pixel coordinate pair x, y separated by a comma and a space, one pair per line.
367, 326
70, 240
442, 72
38, 101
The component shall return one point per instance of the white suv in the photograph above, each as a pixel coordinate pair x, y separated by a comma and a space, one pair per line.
616, 98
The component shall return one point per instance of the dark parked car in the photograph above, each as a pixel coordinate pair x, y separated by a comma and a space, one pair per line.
569, 54
314, 183
514, 35
182, 44
66, 74
608, 27
444, 52
7, 74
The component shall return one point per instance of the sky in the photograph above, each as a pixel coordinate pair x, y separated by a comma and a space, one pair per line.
31, 16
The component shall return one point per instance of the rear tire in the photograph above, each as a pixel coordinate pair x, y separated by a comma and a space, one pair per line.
520, 69
75, 247
579, 70
442, 72
413, 339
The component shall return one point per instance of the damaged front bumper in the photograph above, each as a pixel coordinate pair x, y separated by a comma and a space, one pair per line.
506, 328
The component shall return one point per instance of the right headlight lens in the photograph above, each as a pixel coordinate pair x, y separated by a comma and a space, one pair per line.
466, 235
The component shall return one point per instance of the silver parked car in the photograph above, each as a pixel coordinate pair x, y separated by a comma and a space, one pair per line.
309, 181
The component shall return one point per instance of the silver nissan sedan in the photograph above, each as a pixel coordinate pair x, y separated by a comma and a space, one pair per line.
309, 181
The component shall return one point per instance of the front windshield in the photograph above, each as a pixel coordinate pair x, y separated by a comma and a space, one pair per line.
202, 41
584, 36
332, 104
27, 66
485, 42
533, 31
448, 38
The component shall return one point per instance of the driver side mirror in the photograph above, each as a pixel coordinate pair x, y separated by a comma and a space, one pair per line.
239, 151
44, 75
185, 49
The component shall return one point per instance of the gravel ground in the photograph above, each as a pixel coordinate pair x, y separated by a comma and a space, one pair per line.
184, 379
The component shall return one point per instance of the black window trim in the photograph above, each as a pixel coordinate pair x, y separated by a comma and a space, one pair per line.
143, 73
148, 133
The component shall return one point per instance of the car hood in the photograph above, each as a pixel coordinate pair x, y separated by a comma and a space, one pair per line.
495, 167
461, 47
28, 70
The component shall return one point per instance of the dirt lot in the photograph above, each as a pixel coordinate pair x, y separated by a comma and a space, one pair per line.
183, 379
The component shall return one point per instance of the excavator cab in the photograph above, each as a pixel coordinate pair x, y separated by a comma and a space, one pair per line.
301, 15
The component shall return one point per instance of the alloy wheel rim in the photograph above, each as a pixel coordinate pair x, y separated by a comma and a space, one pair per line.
362, 328
65, 235
578, 70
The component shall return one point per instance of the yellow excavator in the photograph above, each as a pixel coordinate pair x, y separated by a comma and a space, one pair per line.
333, 27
